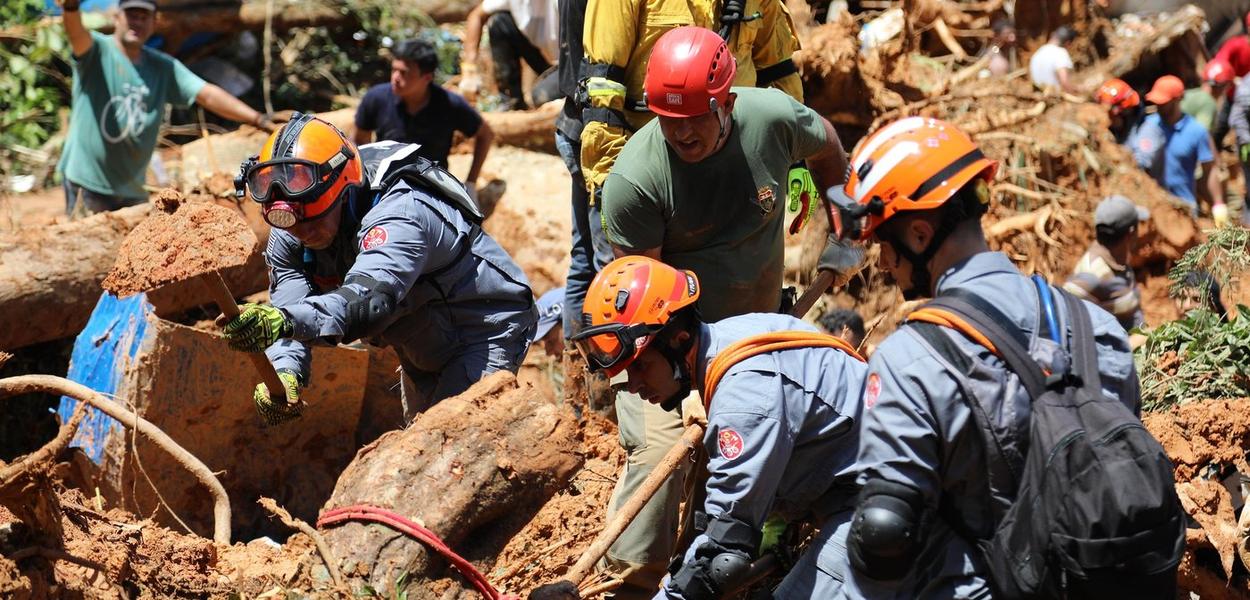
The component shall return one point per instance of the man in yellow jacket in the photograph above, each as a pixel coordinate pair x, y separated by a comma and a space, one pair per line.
617, 41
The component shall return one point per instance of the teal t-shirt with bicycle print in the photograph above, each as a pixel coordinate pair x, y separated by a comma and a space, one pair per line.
116, 115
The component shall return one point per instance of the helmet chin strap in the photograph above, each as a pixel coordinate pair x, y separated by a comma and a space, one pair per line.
676, 357
921, 278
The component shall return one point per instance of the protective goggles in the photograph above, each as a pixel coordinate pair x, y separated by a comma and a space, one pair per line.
849, 218
298, 181
606, 346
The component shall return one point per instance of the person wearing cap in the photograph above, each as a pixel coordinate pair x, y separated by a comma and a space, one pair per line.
412, 109
120, 91
550, 312
1236, 50
378, 243
1051, 65
702, 187
1170, 145
1103, 275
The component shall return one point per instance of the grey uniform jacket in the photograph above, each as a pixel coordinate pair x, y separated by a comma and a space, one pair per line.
918, 431
782, 427
447, 300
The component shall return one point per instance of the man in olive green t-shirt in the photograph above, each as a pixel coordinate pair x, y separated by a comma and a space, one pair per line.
702, 187
119, 95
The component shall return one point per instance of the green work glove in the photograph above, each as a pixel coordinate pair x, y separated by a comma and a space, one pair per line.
1244, 151
276, 412
804, 198
257, 327
770, 537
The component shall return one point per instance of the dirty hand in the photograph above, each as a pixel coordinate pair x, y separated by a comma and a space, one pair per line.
1219, 212
276, 412
470, 81
804, 198
845, 259
560, 590
692, 410
257, 327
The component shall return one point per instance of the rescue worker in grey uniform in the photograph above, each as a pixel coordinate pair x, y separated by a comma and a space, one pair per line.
918, 187
781, 424
377, 243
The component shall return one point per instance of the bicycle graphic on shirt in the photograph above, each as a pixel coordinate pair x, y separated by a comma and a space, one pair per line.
128, 111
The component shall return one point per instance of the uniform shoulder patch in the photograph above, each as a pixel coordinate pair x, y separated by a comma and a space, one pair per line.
374, 238
872, 390
730, 443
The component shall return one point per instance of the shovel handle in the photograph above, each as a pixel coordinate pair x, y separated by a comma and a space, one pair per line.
628, 511
225, 302
824, 279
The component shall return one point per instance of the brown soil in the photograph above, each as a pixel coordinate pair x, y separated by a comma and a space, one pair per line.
179, 241
1201, 433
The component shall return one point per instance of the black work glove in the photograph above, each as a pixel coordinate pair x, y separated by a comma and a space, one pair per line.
560, 590
845, 259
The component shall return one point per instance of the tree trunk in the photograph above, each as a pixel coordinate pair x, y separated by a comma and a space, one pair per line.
50, 278
473, 469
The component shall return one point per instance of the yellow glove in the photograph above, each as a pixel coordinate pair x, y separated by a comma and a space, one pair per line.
601, 143
281, 411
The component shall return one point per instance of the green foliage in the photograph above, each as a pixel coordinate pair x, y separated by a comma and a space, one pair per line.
33, 86
1202, 355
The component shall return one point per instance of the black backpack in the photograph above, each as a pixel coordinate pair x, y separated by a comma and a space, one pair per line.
1095, 512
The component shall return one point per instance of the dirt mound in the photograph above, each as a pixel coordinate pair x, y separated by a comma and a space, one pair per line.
179, 241
1202, 433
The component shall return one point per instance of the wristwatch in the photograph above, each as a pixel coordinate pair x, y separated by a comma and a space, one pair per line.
262, 120
69, 6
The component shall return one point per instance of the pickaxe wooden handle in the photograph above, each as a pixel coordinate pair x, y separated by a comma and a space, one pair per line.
690, 440
824, 279
225, 302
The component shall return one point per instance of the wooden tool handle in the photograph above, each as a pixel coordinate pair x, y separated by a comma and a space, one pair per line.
225, 301
628, 511
824, 279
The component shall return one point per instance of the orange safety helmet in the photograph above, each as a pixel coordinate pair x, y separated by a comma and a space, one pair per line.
916, 163
628, 304
1218, 72
301, 172
1117, 95
689, 73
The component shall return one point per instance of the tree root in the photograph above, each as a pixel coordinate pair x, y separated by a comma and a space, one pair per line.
11, 473
58, 385
332, 564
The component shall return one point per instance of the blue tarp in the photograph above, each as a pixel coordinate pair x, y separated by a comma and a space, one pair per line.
85, 5
110, 340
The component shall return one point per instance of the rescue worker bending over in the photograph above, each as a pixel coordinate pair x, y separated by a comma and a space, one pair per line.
617, 42
782, 425
918, 188
375, 242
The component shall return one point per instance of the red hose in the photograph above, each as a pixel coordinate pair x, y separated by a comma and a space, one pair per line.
365, 512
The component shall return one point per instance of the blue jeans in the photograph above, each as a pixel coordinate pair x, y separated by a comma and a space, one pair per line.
93, 202
591, 250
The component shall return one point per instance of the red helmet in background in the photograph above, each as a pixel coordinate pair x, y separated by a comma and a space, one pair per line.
689, 73
1117, 95
1218, 72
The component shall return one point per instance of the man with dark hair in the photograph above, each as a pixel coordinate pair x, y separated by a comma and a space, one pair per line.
1103, 276
413, 109
120, 91
1051, 65
846, 324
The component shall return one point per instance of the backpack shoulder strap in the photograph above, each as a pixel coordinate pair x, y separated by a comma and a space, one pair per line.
1082, 344
767, 342
981, 322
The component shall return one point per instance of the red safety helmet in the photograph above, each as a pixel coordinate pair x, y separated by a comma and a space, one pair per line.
916, 163
627, 305
301, 171
1117, 95
1218, 72
689, 73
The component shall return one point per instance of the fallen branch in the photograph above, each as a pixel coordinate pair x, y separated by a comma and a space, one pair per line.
47, 453
332, 564
50, 384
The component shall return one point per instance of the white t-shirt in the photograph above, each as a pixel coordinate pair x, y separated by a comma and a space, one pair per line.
539, 20
1045, 65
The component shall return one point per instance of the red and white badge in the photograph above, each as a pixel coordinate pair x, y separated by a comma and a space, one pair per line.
730, 444
872, 390
376, 237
